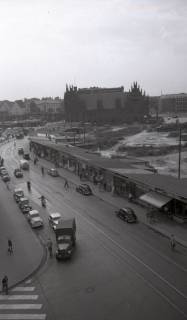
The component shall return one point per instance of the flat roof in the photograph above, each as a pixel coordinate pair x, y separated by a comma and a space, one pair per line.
93, 158
125, 168
169, 184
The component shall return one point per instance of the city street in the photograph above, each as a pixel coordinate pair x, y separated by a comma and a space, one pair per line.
118, 270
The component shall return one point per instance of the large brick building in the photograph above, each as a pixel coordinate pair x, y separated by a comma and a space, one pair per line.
105, 104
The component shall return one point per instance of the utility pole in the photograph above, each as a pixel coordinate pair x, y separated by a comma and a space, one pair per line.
179, 164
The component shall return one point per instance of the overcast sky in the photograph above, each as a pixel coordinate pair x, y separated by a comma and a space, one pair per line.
45, 44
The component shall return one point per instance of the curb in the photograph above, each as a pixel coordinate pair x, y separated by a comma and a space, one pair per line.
42, 261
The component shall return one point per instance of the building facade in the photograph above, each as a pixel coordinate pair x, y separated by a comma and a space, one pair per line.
105, 104
173, 103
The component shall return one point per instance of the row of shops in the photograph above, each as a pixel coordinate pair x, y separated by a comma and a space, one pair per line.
162, 193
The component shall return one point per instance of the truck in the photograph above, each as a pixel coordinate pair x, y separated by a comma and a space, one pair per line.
65, 233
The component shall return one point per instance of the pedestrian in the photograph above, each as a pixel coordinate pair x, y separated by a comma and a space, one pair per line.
172, 242
10, 246
50, 247
66, 185
5, 284
42, 170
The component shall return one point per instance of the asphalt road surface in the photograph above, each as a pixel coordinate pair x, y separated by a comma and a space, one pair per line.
118, 271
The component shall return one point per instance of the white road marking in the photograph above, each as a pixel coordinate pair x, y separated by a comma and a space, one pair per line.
28, 281
23, 289
19, 297
23, 316
20, 306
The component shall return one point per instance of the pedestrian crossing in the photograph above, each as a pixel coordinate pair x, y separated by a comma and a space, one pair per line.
22, 304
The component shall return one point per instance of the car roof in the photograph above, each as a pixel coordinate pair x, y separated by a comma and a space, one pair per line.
37, 219
18, 190
55, 215
34, 212
23, 199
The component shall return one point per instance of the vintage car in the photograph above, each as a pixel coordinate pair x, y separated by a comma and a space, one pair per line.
18, 194
18, 173
20, 150
26, 208
22, 202
84, 189
2, 169
54, 219
5, 177
32, 214
127, 214
36, 222
53, 172
26, 156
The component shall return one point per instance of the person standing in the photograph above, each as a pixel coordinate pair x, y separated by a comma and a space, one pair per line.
10, 246
5, 284
50, 247
172, 242
66, 185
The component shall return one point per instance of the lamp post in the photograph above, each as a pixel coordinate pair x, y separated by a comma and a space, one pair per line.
179, 160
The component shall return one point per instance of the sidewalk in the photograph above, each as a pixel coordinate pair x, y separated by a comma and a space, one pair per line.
162, 225
28, 253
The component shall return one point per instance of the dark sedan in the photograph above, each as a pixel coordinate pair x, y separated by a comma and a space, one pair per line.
127, 214
6, 178
84, 189
18, 173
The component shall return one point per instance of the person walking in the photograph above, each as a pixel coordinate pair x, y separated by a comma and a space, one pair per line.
10, 246
50, 247
5, 284
66, 184
42, 170
172, 242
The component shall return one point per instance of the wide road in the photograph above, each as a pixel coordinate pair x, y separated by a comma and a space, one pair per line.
118, 271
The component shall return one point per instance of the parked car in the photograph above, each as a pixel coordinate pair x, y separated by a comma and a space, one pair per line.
36, 222
84, 189
18, 194
54, 219
53, 172
18, 173
26, 156
26, 208
127, 214
20, 150
32, 214
3, 170
24, 164
22, 202
6, 177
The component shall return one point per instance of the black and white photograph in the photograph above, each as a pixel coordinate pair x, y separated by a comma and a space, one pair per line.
93, 159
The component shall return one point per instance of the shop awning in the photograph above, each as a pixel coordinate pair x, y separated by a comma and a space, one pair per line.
155, 199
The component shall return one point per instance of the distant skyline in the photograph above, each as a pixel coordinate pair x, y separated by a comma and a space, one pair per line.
106, 43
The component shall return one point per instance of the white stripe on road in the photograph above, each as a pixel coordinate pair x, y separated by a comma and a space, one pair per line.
28, 281
19, 297
23, 289
23, 316
20, 306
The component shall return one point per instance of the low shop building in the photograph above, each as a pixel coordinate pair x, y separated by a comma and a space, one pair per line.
121, 176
